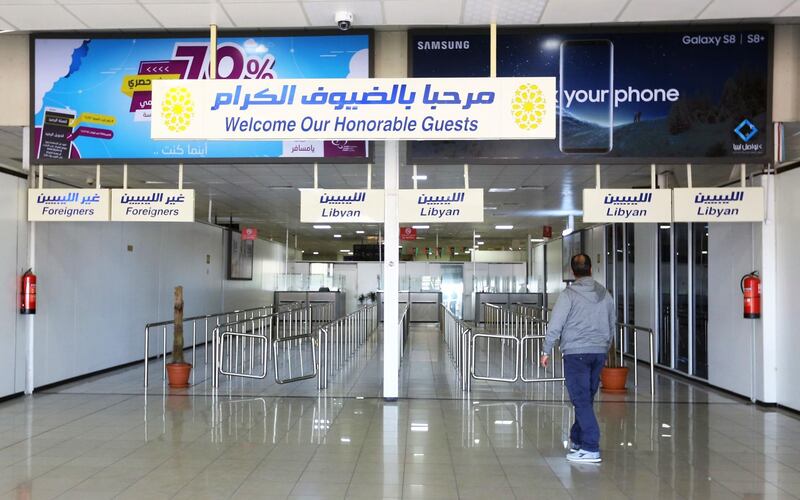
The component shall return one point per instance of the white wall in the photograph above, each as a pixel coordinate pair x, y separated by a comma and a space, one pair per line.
786, 73
554, 283
731, 250
14, 100
787, 219
95, 295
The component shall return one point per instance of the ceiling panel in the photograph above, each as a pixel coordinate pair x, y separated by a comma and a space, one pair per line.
365, 12
273, 14
113, 16
582, 11
36, 17
189, 15
503, 11
647, 10
722, 9
422, 12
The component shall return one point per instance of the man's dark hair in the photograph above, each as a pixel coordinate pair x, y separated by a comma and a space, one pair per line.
581, 265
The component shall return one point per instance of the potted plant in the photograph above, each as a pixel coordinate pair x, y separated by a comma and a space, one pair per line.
361, 299
613, 376
178, 371
373, 297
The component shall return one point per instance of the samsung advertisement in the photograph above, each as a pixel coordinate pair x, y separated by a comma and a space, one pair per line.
91, 96
623, 97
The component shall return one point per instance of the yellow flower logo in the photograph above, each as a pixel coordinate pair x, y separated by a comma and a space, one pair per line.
177, 109
528, 106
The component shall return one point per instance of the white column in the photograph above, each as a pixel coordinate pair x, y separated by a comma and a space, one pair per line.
768, 388
391, 274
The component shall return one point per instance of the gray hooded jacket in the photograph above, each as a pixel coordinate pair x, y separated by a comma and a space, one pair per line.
583, 319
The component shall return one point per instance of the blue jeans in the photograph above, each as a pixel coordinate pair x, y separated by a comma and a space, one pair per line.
582, 372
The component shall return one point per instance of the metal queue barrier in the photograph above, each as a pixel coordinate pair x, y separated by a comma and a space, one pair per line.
202, 322
521, 338
457, 336
302, 343
623, 331
404, 326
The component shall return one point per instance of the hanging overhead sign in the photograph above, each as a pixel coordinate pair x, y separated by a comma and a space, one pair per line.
731, 204
68, 204
157, 205
627, 205
353, 109
441, 205
341, 205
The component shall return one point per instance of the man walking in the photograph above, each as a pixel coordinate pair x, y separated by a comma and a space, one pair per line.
582, 322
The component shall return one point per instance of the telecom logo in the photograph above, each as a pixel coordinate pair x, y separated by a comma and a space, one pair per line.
177, 109
746, 130
528, 106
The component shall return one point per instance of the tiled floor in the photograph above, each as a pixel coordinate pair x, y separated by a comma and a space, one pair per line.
107, 438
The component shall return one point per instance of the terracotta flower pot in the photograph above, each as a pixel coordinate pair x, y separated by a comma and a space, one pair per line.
613, 379
178, 374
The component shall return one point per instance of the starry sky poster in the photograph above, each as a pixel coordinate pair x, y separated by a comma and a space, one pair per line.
637, 95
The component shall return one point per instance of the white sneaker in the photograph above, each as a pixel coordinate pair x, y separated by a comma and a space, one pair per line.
574, 447
586, 457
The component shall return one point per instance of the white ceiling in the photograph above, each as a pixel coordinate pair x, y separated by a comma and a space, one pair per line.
42, 15
266, 196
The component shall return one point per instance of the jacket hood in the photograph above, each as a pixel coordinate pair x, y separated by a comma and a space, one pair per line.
589, 289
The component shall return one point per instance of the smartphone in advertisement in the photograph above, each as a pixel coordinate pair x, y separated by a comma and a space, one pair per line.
586, 96
54, 143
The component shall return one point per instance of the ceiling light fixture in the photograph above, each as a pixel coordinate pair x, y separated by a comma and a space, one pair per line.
154, 182
477, 236
480, 243
344, 251
533, 188
322, 226
419, 177
504, 226
490, 208
316, 253
502, 190
359, 232
421, 227
537, 240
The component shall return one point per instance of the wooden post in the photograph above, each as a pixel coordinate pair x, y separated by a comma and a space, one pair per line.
177, 335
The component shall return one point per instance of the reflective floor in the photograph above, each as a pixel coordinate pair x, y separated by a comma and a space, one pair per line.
106, 438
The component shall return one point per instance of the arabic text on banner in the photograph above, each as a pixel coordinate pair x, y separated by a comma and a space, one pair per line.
627, 205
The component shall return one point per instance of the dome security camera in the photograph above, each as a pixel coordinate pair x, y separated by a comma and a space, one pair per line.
344, 20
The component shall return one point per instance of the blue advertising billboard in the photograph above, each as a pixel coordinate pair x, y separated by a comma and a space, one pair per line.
91, 95
663, 94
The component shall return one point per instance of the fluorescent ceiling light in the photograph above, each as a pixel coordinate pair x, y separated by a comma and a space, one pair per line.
359, 232
419, 177
537, 240
490, 208
477, 235
504, 226
344, 440
322, 226
567, 231
421, 227
664, 226
480, 243
533, 188
154, 182
344, 251
337, 235
502, 190
316, 253
503, 422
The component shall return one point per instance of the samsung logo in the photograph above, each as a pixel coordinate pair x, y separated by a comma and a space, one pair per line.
444, 45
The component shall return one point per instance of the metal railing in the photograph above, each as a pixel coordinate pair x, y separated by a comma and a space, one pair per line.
623, 330
242, 347
204, 323
457, 336
540, 312
404, 327
523, 336
302, 343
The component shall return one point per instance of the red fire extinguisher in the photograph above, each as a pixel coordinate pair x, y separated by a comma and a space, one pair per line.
751, 289
27, 293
